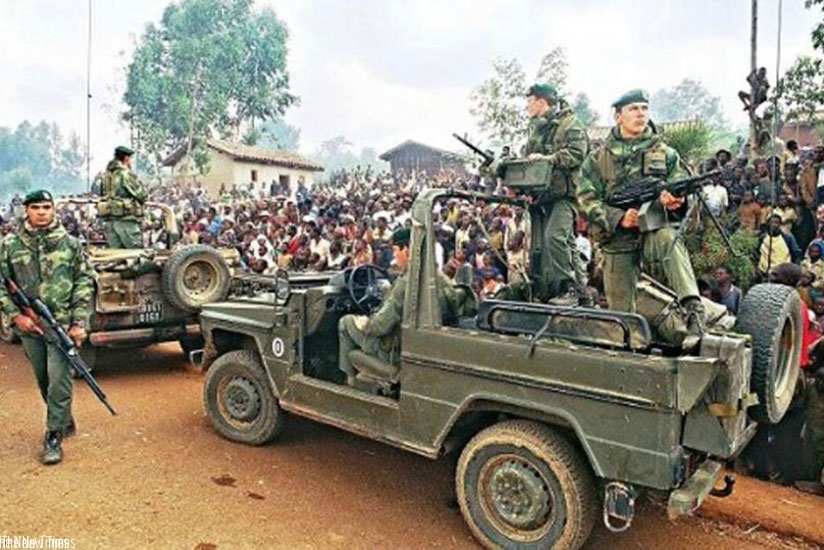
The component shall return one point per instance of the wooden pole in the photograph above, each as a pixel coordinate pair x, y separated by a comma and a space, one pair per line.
753, 67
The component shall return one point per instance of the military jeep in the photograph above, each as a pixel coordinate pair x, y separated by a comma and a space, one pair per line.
558, 413
145, 296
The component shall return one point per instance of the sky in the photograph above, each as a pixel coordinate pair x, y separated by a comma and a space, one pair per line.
379, 71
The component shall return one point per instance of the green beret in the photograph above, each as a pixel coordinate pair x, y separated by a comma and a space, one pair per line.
124, 150
40, 195
632, 96
543, 90
401, 236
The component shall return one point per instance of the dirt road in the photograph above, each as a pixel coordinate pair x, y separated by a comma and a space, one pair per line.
158, 476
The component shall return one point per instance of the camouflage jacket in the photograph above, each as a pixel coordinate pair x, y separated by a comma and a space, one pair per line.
562, 139
121, 184
616, 163
52, 265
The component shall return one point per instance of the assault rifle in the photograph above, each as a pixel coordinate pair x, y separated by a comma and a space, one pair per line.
37, 311
488, 158
643, 194
648, 188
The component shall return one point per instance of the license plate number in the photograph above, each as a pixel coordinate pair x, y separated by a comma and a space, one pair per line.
148, 313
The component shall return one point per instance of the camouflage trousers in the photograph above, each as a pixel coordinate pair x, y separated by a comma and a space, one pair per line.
351, 338
54, 378
123, 233
560, 268
663, 255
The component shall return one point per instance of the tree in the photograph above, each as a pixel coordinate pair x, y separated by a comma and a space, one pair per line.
553, 70
692, 142
498, 103
38, 155
689, 100
210, 67
276, 134
801, 90
818, 30
584, 111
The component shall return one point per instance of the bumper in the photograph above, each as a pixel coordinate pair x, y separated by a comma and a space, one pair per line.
695, 490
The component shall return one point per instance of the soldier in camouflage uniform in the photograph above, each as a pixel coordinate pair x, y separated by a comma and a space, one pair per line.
121, 203
633, 149
46, 262
557, 135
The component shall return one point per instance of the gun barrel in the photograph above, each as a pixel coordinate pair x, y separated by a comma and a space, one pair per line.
474, 148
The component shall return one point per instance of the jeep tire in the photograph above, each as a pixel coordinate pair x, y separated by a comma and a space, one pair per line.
521, 484
239, 401
771, 315
195, 275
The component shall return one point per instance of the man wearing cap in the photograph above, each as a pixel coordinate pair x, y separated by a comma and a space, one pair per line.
48, 263
121, 204
634, 149
558, 136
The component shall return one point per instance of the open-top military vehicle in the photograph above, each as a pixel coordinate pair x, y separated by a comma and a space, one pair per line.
145, 296
557, 412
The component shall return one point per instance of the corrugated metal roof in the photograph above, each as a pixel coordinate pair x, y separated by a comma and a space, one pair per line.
410, 143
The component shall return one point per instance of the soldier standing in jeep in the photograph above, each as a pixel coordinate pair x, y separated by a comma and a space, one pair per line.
634, 149
122, 202
556, 135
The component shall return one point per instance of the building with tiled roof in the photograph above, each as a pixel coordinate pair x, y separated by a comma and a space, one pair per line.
236, 163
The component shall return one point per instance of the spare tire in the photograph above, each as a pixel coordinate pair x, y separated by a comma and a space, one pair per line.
771, 315
195, 275
7, 333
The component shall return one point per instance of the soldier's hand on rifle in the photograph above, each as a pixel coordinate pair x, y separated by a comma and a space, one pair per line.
534, 156
630, 219
26, 325
78, 334
670, 202
361, 321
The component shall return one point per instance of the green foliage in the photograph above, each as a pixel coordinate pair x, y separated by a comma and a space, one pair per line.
708, 252
584, 111
39, 156
692, 142
276, 134
689, 100
498, 103
338, 154
818, 31
553, 70
208, 68
801, 89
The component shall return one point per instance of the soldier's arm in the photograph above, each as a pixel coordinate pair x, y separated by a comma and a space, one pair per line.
390, 313
6, 303
575, 147
129, 182
603, 219
82, 288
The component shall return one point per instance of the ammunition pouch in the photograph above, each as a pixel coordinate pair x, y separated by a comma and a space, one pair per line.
119, 208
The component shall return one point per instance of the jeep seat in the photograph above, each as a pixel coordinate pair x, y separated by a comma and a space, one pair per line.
373, 368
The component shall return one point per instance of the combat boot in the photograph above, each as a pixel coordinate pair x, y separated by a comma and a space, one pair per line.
570, 298
71, 429
52, 451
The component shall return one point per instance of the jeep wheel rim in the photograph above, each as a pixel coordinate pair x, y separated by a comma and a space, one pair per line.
516, 497
240, 400
783, 367
200, 278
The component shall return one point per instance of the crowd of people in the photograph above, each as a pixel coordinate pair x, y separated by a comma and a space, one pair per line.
348, 221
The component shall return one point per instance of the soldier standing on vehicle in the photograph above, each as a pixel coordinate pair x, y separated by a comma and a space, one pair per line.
634, 149
121, 204
46, 262
558, 136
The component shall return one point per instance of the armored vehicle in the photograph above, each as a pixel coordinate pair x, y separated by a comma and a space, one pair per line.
145, 296
559, 414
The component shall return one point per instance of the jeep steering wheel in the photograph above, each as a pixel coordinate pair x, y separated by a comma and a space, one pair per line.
363, 286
